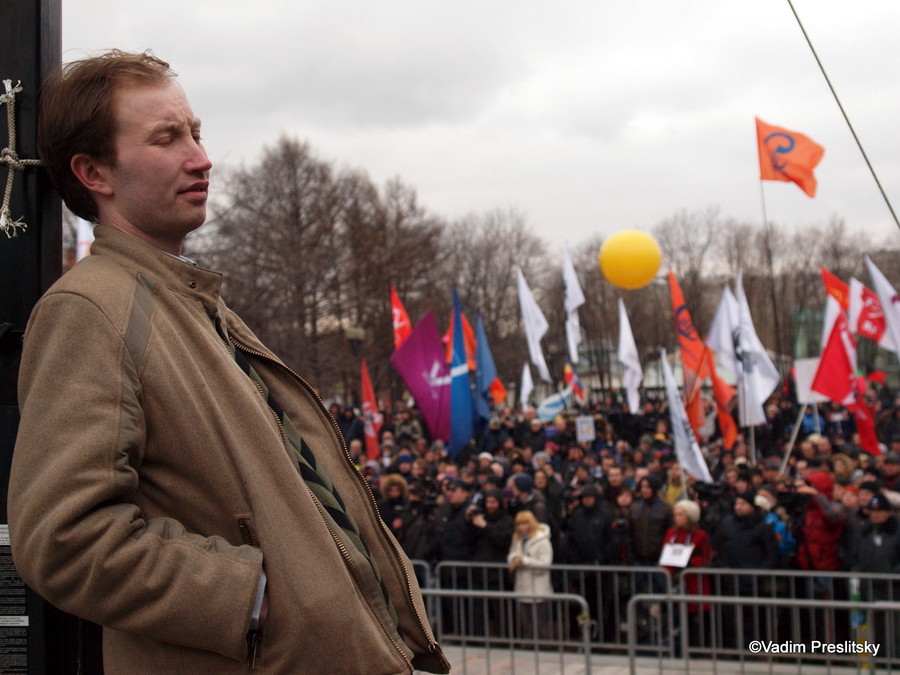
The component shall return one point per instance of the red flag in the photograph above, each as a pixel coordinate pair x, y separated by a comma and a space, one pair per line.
402, 326
836, 374
723, 393
694, 356
470, 342
371, 416
787, 156
864, 411
866, 314
836, 288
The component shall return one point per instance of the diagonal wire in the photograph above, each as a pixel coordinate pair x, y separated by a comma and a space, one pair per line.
844, 113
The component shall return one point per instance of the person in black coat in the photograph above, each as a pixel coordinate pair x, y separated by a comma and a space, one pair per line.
589, 542
457, 541
746, 541
879, 552
589, 534
493, 528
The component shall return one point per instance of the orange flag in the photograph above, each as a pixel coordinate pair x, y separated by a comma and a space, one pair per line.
402, 326
469, 339
371, 416
837, 289
787, 156
723, 393
498, 391
694, 355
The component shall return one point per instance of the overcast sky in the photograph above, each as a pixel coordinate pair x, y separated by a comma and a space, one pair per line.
588, 117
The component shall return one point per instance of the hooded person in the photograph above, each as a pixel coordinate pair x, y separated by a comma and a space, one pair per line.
823, 524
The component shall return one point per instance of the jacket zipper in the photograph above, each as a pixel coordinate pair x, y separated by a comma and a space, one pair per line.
432, 645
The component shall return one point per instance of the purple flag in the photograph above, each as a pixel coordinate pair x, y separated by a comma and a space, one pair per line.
420, 362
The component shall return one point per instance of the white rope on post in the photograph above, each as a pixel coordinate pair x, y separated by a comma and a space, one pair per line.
9, 157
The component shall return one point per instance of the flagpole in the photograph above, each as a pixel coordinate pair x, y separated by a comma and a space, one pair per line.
846, 118
762, 195
794, 433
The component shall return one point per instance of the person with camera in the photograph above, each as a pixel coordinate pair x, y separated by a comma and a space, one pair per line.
492, 526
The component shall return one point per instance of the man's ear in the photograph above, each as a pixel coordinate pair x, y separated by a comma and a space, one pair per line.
92, 174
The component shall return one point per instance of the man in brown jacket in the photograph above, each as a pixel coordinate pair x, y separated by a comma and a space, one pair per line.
173, 480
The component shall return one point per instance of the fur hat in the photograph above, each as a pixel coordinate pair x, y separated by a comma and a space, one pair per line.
691, 509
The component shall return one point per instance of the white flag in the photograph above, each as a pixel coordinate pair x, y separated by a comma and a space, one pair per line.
628, 357
686, 449
574, 300
733, 338
722, 330
535, 326
890, 302
527, 386
758, 377
84, 233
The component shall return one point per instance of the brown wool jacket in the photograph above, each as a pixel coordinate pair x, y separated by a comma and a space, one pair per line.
150, 483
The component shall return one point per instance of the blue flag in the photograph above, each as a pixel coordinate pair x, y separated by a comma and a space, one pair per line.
485, 371
461, 408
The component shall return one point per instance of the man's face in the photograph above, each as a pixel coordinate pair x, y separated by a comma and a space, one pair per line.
614, 476
158, 184
457, 496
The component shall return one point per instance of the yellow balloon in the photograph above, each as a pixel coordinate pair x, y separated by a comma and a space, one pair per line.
630, 259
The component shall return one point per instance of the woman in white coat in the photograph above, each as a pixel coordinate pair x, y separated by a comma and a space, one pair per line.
530, 556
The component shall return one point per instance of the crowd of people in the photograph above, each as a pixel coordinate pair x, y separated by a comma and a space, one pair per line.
821, 504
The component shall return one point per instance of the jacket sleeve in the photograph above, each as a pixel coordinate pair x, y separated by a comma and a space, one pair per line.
78, 534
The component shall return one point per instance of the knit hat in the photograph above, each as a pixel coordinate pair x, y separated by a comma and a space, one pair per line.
405, 457
524, 482
880, 502
589, 490
691, 509
749, 496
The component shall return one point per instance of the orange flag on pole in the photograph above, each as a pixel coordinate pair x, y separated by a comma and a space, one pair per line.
371, 416
837, 289
402, 326
468, 339
723, 394
787, 156
694, 355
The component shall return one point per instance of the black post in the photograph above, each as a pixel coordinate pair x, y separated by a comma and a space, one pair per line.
39, 639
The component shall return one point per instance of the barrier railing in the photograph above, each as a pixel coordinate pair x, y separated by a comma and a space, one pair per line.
752, 647
606, 589
820, 622
526, 624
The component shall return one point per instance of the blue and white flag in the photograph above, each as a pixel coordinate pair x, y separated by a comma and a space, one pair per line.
553, 405
461, 409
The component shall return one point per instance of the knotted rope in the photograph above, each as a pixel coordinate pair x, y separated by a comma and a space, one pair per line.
9, 157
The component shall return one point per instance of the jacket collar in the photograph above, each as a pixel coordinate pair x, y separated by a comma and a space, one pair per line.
176, 274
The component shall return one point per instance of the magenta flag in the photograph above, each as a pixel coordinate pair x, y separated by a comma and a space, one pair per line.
420, 360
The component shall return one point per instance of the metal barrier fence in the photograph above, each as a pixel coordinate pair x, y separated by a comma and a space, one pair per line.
511, 623
821, 622
746, 646
605, 588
